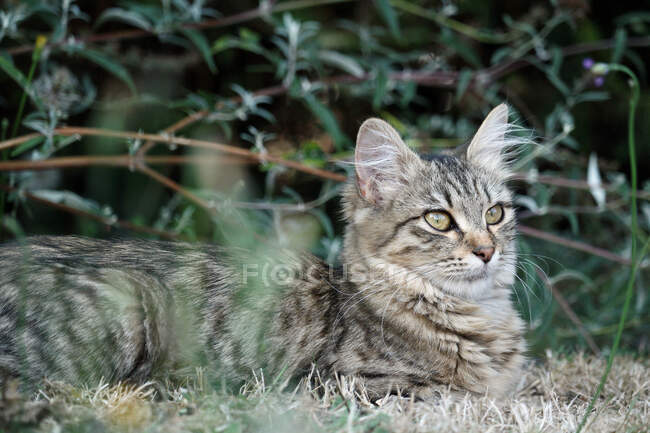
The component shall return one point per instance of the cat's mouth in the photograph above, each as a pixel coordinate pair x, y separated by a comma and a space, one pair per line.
475, 275
469, 283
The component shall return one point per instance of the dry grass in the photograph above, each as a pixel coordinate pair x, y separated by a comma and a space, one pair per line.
552, 397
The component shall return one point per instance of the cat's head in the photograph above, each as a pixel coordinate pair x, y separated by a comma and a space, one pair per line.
449, 220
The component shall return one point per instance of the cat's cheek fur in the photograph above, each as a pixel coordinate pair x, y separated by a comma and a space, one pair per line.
505, 275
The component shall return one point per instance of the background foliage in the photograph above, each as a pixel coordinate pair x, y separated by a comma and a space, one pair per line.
255, 107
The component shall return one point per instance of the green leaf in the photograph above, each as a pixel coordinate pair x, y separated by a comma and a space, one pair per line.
223, 43
464, 78
29, 144
571, 142
381, 85
389, 15
500, 54
248, 35
409, 90
592, 96
633, 18
558, 83
129, 17
292, 193
620, 40
5, 55
460, 47
314, 162
341, 61
12, 226
573, 222
151, 12
106, 62
76, 201
556, 60
327, 119
202, 44
14, 73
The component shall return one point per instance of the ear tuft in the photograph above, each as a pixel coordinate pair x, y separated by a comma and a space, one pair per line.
491, 147
380, 158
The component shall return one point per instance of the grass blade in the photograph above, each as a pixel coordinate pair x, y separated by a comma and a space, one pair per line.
202, 44
389, 15
112, 66
15, 74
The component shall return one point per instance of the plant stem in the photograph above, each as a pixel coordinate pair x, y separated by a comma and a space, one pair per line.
634, 99
5, 127
40, 43
38, 49
23, 99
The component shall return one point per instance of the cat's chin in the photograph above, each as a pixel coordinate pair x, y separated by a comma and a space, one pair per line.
468, 288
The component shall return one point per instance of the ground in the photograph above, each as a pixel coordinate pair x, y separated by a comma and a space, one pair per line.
552, 397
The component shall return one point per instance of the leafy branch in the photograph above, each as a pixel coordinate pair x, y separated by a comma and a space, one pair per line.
139, 163
259, 12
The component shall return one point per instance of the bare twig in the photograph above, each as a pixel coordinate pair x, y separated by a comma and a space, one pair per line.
109, 223
573, 317
576, 245
562, 210
181, 141
8, 144
119, 161
188, 120
285, 207
129, 161
208, 207
572, 183
176, 187
606, 44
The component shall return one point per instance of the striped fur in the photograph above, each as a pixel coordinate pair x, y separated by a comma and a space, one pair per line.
410, 310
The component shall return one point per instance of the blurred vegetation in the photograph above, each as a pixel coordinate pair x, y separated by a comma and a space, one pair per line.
284, 86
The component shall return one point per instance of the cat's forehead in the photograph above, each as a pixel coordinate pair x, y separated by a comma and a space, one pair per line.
454, 183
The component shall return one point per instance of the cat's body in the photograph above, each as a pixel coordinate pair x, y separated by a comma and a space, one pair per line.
423, 299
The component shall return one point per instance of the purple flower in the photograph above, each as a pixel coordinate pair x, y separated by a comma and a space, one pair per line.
599, 81
587, 62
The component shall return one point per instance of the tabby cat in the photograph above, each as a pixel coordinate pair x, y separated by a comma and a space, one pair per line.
422, 300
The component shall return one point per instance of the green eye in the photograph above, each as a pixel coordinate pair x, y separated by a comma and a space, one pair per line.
438, 220
494, 215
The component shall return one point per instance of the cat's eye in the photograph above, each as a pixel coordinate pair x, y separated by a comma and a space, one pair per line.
438, 220
494, 215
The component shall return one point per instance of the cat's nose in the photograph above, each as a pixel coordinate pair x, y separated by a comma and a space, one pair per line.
484, 253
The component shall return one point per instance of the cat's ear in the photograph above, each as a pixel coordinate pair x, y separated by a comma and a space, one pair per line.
490, 146
381, 160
